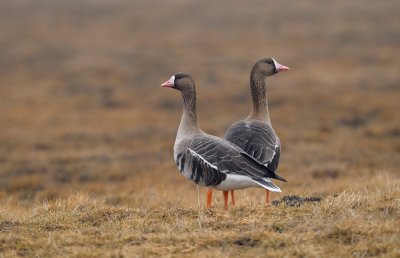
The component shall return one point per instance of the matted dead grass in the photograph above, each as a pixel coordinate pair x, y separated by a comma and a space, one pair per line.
356, 222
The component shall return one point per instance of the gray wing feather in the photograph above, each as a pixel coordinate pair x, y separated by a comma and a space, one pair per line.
257, 139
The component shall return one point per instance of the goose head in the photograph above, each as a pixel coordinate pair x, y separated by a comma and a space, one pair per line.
180, 81
268, 67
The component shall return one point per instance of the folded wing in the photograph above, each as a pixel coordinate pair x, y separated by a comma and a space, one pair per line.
228, 158
257, 139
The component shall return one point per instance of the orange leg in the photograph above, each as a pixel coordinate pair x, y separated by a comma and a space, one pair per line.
209, 197
226, 195
233, 197
267, 197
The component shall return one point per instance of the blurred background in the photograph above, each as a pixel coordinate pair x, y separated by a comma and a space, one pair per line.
82, 109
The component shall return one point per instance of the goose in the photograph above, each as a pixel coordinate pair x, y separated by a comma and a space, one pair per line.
208, 160
255, 134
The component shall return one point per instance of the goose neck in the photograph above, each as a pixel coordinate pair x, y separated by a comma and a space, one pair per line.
188, 124
259, 97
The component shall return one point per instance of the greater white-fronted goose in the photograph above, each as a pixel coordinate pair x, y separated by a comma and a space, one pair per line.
209, 160
255, 134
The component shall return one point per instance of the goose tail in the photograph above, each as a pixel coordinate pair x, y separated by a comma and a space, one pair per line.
267, 184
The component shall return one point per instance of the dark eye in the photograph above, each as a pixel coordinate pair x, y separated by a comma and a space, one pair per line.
269, 62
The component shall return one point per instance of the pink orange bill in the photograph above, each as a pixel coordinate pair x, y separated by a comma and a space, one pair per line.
170, 83
279, 67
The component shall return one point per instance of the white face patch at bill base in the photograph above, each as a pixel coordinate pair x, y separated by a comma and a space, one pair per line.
275, 63
172, 80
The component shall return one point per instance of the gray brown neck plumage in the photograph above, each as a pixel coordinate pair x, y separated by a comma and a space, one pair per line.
188, 125
259, 96
189, 104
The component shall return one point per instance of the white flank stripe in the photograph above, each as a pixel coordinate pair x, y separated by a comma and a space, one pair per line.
200, 157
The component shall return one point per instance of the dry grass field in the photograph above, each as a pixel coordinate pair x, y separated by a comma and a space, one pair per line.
86, 133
